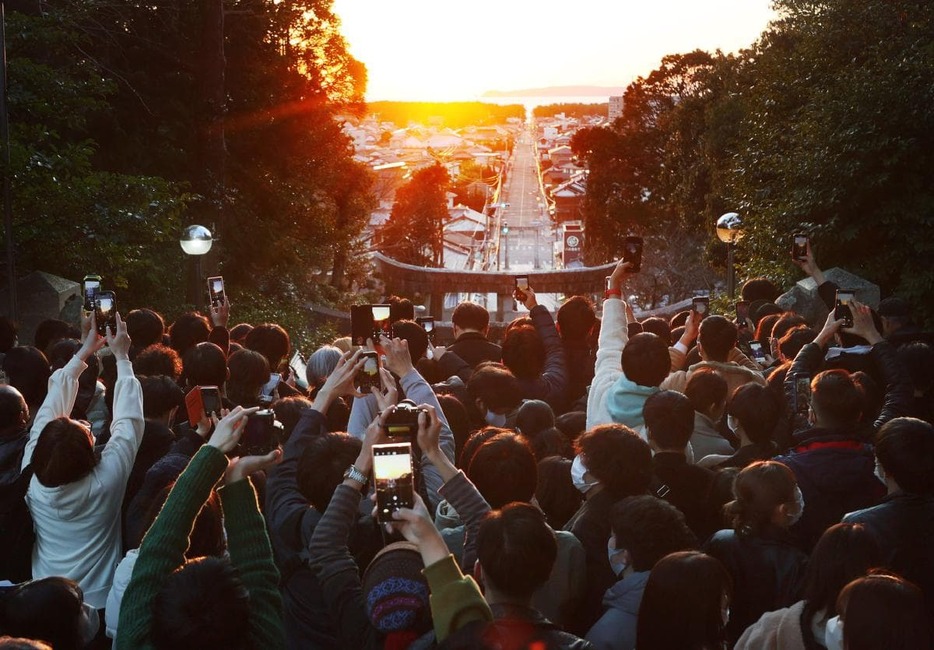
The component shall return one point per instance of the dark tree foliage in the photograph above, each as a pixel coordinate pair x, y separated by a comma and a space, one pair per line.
414, 232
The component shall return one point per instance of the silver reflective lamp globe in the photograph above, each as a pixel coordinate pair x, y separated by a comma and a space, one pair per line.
196, 240
730, 228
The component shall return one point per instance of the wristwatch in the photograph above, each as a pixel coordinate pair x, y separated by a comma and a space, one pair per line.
356, 475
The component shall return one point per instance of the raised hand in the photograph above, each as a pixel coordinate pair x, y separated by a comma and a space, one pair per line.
91, 341
220, 313
396, 356
239, 468
863, 325
119, 341
389, 395
229, 428
619, 275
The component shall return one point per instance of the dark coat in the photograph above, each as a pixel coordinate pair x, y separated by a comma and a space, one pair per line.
591, 525
474, 349
688, 488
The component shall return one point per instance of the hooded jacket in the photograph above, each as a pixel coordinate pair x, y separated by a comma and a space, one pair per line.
616, 629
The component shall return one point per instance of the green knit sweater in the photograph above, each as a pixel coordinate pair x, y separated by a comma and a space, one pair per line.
163, 551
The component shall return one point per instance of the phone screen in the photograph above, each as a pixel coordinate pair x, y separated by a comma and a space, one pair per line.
842, 308
211, 399
522, 282
428, 324
105, 309
742, 312
393, 475
92, 285
757, 352
216, 289
802, 394
261, 435
700, 305
799, 250
368, 377
382, 326
632, 253
269, 388
298, 365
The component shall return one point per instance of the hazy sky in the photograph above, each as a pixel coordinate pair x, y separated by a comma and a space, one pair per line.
446, 50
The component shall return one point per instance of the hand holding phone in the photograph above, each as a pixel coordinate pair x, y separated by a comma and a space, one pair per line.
799, 248
522, 285
105, 312
802, 393
368, 376
632, 253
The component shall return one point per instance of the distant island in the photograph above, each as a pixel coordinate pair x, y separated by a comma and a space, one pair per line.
558, 91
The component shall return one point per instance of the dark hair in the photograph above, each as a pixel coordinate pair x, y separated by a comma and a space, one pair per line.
474, 441
757, 410
158, 359
649, 528
762, 309
504, 470
524, 352
495, 385
764, 329
47, 609
717, 336
658, 326
28, 370
415, 335
705, 389
238, 332
669, 419
270, 340
63, 453
19, 643
550, 442
617, 457
205, 364
289, 411
51, 330
836, 399
249, 372
555, 492
400, 308
872, 394
679, 319
188, 329
145, 327
207, 535
759, 289
645, 359
62, 351
787, 322
905, 449
759, 488
794, 339
682, 603
572, 424
8, 333
516, 549
322, 465
203, 604
843, 553
471, 316
882, 610
575, 318
533, 416
160, 395
917, 358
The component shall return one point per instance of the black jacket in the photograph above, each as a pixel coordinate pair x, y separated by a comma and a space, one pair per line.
591, 525
474, 348
688, 488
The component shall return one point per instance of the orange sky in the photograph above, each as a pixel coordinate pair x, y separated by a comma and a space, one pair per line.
437, 50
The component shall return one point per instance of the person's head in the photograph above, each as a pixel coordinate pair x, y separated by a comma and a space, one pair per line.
917, 358
759, 289
161, 396
617, 457
64, 452
764, 329
572, 424
836, 401
754, 412
27, 368
396, 594
658, 326
765, 494
321, 364
523, 352
51, 610
685, 603
322, 465
533, 416
160, 359
9, 333
516, 550
415, 335
249, 372
207, 536
270, 340
787, 322
706, 391
575, 318
679, 319
493, 388
51, 330
794, 339
203, 604
14, 412
473, 444
470, 317
144, 327
19, 643
843, 553
905, 453
716, 338
550, 442
669, 420
204, 364
504, 470
400, 308
555, 492
188, 329
882, 610
239, 331
645, 359
645, 529
289, 411
895, 314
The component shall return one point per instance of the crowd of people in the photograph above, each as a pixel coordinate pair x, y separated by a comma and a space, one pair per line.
584, 482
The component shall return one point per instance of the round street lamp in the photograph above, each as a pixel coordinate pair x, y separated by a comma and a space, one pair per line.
729, 231
196, 241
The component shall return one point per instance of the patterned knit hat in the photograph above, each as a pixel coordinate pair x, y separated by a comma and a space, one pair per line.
395, 590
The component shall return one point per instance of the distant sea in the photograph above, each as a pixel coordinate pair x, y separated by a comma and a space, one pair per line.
532, 102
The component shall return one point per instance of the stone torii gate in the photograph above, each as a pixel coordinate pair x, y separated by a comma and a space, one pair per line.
434, 283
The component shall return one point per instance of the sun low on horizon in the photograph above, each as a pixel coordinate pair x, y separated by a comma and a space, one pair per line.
431, 50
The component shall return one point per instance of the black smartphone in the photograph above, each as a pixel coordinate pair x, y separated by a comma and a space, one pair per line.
742, 313
261, 435
105, 312
216, 290
632, 253
701, 304
842, 308
92, 285
428, 324
758, 354
368, 377
361, 324
382, 321
394, 478
802, 393
799, 247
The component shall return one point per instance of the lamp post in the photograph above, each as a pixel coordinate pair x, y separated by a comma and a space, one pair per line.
506, 246
730, 231
196, 241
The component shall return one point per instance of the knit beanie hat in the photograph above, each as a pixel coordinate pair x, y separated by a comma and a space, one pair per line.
396, 592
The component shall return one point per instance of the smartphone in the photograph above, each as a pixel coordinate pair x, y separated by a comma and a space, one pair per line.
92, 285
842, 308
269, 388
701, 304
105, 312
216, 290
361, 324
522, 283
428, 324
799, 247
201, 401
742, 312
393, 475
802, 393
261, 435
758, 354
382, 321
298, 365
368, 377
632, 253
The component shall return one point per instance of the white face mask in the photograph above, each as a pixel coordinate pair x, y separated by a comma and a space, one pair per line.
879, 472
799, 500
833, 634
615, 557
578, 469
495, 419
90, 624
733, 423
